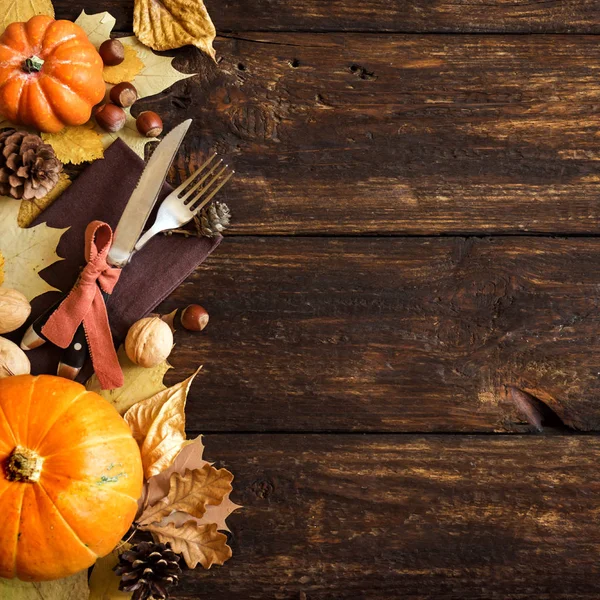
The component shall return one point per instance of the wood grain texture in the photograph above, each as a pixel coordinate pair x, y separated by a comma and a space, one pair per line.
379, 517
316, 334
560, 16
391, 134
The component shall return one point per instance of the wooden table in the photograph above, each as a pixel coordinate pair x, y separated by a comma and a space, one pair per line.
416, 206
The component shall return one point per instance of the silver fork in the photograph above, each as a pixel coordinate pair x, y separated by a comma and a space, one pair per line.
179, 208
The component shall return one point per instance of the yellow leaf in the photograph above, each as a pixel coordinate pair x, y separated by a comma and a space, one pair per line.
190, 493
97, 26
69, 588
19, 10
197, 543
172, 24
1, 269
104, 582
26, 251
76, 144
139, 383
158, 426
127, 70
31, 209
129, 134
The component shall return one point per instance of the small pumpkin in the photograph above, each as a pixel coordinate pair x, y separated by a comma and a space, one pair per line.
70, 479
50, 74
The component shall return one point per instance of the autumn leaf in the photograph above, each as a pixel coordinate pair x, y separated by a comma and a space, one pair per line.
1, 269
172, 24
69, 588
76, 144
31, 209
14, 11
158, 426
125, 71
97, 26
214, 514
140, 383
129, 134
198, 544
190, 493
104, 582
26, 251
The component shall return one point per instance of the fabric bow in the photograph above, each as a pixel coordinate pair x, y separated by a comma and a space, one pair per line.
85, 304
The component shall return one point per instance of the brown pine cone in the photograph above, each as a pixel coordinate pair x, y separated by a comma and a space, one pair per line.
214, 219
28, 167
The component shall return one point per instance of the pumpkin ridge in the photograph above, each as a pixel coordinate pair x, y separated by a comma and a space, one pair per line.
58, 512
47, 51
75, 399
88, 442
19, 517
10, 427
25, 442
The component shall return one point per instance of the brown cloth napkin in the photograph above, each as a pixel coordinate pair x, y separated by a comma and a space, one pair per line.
101, 192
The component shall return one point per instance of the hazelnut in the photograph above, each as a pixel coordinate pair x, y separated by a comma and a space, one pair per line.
149, 124
111, 118
13, 361
194, 317
123, 94
112, 52
14, 309
149, 341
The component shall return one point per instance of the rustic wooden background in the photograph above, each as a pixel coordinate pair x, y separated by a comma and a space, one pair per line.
416, 206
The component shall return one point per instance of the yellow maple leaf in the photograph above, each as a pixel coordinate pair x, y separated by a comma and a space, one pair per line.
76, 144
23, 11
129, 134
104, 582
74, 587
26, 251
127, 70
31, 209
197, 543
140, 383
158, 426
171, 24
1, 269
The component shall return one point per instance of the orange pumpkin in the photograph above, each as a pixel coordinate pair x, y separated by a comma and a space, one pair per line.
70, 479
50, 74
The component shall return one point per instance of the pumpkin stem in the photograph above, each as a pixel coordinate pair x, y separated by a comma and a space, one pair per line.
24, 465
33, 64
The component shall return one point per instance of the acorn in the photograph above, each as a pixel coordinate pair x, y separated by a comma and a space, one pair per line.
110, 117
112, 53
123, 94
149, 124
194, 317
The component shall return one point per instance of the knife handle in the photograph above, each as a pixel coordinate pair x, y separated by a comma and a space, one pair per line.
33, 337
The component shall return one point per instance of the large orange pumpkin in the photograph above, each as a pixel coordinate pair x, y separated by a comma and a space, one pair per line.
70, 478
50, 74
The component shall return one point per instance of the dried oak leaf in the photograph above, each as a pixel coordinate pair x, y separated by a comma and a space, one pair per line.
31, 209
172, 24
158, 426
139, 383
196, 543
104, 582
127, 70
76, 144
191, 492
26, 252
214, 514
69, 588
23, 10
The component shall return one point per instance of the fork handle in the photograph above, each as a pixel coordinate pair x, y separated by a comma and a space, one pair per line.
154, 230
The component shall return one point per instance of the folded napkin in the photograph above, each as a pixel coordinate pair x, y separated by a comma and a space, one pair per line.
101, 193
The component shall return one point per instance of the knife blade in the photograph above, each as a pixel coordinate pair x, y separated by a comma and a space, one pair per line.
144, 196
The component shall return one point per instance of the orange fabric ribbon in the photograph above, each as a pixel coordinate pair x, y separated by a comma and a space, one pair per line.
85, 304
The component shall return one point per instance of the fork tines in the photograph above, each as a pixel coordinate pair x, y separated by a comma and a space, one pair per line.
205, 187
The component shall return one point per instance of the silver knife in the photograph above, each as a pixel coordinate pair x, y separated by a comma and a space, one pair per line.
129, 229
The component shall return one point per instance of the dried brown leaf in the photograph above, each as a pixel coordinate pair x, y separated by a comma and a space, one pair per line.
214, 514
190, 493
158, 426
31, 209
201, 544
172, 24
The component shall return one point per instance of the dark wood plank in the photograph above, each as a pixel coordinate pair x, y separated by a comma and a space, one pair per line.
352, 134
560, 16
377, 517
384, 334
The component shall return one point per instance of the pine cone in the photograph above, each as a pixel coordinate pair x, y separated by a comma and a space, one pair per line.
148, 570
28, 168
214, 219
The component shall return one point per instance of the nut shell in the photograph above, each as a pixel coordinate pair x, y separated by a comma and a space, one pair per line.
112, 52
14, 309
149, 124
123, 94
149, 341
13, 361
111, 117
194, 317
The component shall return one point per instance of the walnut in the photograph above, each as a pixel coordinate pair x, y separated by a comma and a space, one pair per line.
13, 360
149, 341
14, 309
